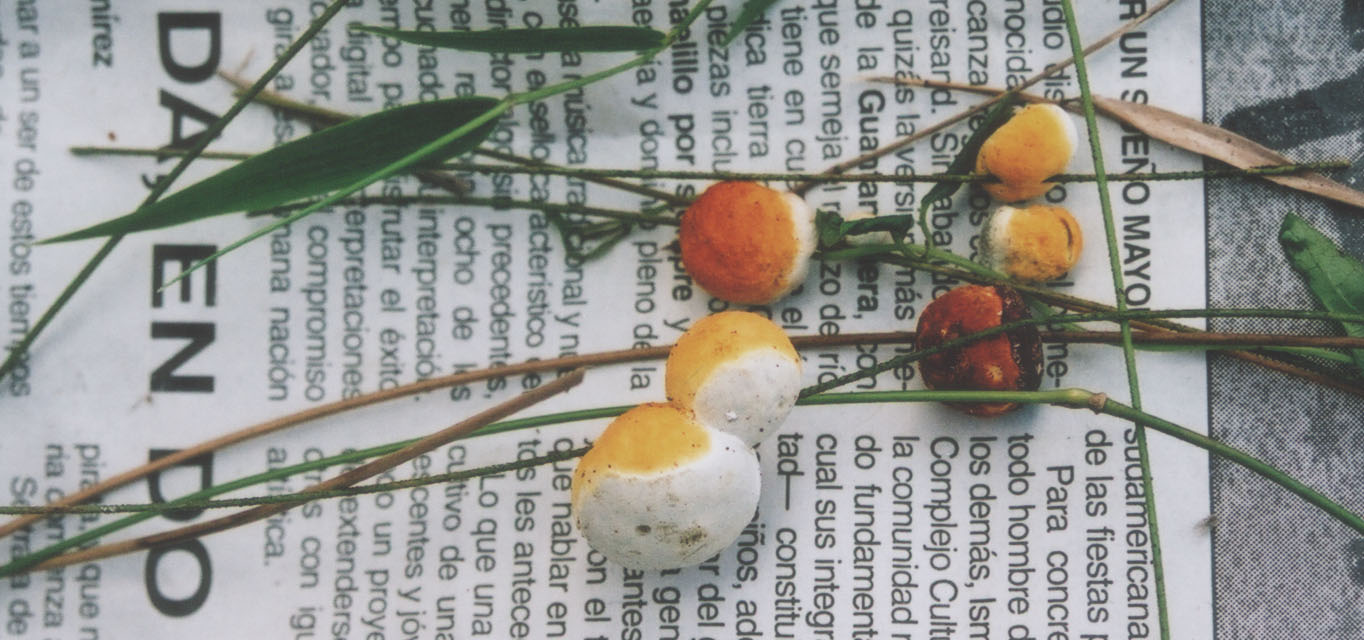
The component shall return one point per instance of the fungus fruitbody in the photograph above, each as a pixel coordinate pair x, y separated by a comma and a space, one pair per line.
1011, 361
1035, 144
738, 371
1032, 244
659, 490
745, 243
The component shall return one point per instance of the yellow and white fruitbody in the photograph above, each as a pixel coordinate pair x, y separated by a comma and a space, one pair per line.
659, 490
738, 371
745, 243
1032, 244
1035, 144
669, 485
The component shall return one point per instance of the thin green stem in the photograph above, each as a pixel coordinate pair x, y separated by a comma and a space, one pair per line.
1129, 353
928, 259
778, 176
1107, 316
1216, 447
18, 352
189, 501
1072, 398
493, 113
326, 117
22, 563
144, 152
774, 176
298, 498
1047, 72
493, 203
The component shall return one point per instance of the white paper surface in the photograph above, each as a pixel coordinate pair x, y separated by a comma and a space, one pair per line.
893, 521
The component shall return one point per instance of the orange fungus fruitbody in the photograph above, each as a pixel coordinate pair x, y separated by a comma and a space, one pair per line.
1032, 244
745, 243
648, 438
1011, 361
1035, 144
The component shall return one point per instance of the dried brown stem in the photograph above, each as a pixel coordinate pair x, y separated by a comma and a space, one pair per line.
980, 108
345, 479
1072, 303
1153, 335
318, 412
614, 183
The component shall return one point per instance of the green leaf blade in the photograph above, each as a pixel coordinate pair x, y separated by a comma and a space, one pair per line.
965, 161
751, 11
590, 39
316, 164
1334, 278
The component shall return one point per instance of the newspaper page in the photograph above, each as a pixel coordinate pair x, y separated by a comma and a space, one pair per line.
900, 521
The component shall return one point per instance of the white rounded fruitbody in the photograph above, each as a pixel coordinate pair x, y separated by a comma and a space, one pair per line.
659, 490
803, 223
738, 371
749, 396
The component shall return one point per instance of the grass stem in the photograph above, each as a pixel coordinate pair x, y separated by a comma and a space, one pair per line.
1071, 398
1120, 293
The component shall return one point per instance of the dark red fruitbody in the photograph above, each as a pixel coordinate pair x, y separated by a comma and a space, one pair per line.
1011, 361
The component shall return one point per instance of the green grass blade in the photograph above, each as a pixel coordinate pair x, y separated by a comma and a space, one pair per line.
1119, 291
1336, 279
319, 163
965, 162
470, 129
594, 39
752, 10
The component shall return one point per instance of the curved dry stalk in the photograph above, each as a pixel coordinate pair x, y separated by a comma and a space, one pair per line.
1154, 336
423, 386
1181, 131
322, 411
345, 479
1072, 303
980, 108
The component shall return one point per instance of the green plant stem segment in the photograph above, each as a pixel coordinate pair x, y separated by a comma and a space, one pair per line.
495, 112
491, 203
926, 258
29, 561
19, 565
1128, 352
1072, 398
19, 352
1104, 316
770, 176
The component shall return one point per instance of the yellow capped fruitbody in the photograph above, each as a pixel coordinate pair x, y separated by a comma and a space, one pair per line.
738, 371
1032, 244
646, 439
743, 242
1035, 144
659, 490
